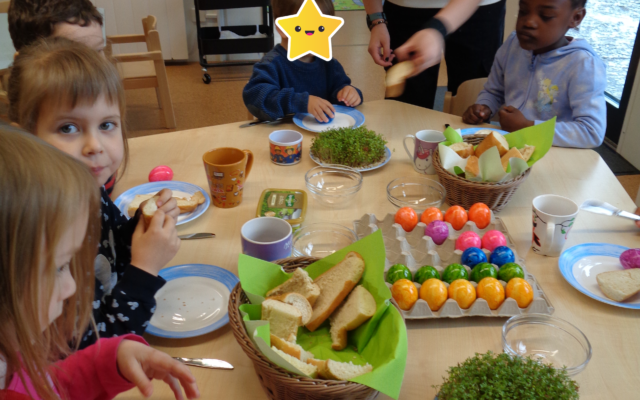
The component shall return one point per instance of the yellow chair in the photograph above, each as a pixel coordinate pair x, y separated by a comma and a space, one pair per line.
145, 70
467, 94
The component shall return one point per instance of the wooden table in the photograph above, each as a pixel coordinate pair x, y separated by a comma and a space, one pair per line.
614, 333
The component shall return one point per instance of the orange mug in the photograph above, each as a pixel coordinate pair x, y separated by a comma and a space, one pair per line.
227, 170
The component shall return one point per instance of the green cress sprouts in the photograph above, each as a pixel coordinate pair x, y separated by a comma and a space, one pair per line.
354, 147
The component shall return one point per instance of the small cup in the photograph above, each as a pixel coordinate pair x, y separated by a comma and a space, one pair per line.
285, 147
424, 144
553, 217
267, 238
227, 170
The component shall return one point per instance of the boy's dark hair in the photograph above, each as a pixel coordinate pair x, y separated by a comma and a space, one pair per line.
284, 8
578, 4
30, 20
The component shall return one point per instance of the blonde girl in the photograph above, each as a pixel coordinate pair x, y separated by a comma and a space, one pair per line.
49, 229
71, 97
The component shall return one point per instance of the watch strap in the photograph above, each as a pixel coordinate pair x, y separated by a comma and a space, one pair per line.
373, 17
435, 23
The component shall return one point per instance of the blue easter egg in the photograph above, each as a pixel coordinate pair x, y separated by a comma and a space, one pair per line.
502, 255
322, 122
473, 256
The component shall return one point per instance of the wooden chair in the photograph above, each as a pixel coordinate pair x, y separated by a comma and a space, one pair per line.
145, 70
466, 96
4, 7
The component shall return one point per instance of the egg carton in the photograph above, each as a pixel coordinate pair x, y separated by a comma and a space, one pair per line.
414, 249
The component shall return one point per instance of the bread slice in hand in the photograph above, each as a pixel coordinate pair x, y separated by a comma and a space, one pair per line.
527, 152
339, 371
301, 283
619, 285
463, 149
292, 349
512, 153
472, 168
298, 301
355, 311
335, 284
149, 209
135, 203
396, 77
307, 369
493, 139
284, 319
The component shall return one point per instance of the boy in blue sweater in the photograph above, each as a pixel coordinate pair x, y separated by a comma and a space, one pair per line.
279, 87
539, 73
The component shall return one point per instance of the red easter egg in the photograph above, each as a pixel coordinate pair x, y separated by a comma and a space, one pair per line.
493, 239
468, 239
161, 173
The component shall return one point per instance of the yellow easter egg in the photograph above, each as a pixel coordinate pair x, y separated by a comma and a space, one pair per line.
405, 293
434, 292
520, 290
463, 292
492, 291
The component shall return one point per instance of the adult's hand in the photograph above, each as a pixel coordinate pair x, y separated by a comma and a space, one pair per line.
380, 41
424, 48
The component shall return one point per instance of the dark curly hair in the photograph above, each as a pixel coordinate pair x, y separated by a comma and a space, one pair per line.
578, 4
30, 20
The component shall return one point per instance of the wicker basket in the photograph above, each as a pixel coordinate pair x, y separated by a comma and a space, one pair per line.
466, 193
277, 382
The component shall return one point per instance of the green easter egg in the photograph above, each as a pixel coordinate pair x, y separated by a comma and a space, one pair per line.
509, 271
426, 272
453, 272
396, 272
483, 270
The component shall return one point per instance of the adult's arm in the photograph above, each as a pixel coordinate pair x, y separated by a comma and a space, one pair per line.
425, 47
380, 38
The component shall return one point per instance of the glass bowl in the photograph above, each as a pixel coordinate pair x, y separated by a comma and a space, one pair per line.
333, 185
416, 192
321, 239
547, 339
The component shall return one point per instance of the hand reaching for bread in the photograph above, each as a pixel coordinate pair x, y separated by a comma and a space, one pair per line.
153, 246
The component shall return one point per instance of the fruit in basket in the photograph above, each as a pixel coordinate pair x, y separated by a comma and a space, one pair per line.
456, 216
492, 239
407, 218
405, 293
502, 255
425, 273
398, 271
480, 214
520, 290
509, 271
454, 272
492, 291
630, 258
468, 239
431, 214
434, 292
483, 270
473, 256
463, 292
438, 231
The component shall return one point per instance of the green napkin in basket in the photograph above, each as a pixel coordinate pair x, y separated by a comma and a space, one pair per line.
381, 341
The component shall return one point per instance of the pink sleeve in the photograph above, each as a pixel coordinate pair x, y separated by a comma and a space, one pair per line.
92, 373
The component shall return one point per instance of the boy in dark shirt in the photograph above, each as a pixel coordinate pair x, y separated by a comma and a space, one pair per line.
279, 87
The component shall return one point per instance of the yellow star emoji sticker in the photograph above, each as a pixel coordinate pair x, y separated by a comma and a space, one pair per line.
309, 31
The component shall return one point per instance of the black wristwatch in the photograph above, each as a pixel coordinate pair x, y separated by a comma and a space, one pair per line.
375, 16
435, 23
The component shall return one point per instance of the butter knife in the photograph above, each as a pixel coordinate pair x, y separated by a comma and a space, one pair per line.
260, 121
202, 235
205, 362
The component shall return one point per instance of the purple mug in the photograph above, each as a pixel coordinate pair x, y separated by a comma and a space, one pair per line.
425, 143
267, 238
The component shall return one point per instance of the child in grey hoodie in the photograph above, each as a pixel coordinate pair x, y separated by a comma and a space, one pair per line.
539, 73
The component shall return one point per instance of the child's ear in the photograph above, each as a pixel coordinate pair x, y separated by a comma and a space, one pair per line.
577, 17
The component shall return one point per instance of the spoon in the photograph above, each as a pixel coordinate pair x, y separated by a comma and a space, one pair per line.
600, 207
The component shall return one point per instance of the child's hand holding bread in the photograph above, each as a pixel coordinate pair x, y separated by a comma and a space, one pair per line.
153, 246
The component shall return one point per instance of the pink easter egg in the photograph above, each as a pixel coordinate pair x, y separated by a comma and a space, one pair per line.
493, 239
161, 173
468, 239
630, 258
438, 231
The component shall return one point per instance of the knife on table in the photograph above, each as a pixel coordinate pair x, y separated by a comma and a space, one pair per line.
260, 121
205, 362
202, 235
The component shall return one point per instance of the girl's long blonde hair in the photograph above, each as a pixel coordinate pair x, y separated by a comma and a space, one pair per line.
65, 73
42, 190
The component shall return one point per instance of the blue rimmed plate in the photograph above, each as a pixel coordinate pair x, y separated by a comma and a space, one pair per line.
387, 158
580, 264
178, 188
193, 302
472, 131
345, 117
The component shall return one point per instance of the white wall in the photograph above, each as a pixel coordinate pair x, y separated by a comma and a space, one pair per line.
510, 18
629, 143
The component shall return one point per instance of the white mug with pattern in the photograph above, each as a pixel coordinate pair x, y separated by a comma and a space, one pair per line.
553, 217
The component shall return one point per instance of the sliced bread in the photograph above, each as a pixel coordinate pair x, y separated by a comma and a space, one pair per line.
298, 301
292, 349
301, 283
284, 319
335, 284
527, 152
307, 369
493, 139
356, 310
135, 203
619, 285
150, 208
512, 153
340, 371
463, 149
396, 77
472, 168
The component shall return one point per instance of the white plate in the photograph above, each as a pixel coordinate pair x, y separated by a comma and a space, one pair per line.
387, 158
344, 117
194, 301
